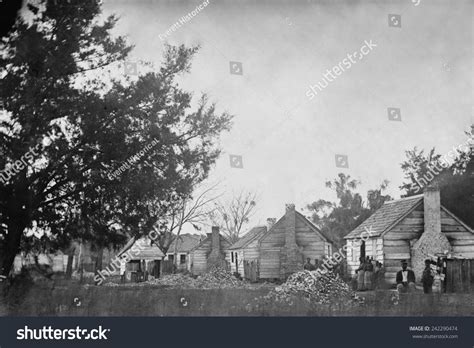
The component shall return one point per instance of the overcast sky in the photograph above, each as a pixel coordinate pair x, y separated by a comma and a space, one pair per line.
289, 142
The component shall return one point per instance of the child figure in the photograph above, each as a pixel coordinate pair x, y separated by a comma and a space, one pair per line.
438, 281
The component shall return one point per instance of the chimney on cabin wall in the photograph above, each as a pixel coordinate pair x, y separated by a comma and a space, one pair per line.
432, 241
289, 257
215, 257
215, 240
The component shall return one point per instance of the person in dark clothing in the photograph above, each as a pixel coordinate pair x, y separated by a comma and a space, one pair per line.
308, 266
368, 274
361, 275
405, 278
427, 278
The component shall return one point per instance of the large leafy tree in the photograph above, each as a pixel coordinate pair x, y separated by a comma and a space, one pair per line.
78, 124
456, 180
350, 210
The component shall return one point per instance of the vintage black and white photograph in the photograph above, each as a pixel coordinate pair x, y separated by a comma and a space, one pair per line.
218, 158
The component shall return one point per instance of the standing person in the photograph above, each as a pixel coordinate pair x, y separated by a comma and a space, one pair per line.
308, 266
427, 278
405, 279
360, 274
316, 263
438, 281
381, 276
376, 275
368, 274
123, 267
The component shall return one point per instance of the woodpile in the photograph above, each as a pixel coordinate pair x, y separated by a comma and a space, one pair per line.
316, 288
215, 278
219, 277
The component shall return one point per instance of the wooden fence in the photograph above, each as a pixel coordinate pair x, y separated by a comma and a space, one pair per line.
459, 275
251, 270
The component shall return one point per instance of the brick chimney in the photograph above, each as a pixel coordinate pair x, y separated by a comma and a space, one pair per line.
432, 241
216, 256
289, 253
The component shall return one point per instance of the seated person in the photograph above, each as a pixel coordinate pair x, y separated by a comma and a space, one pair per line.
405, 279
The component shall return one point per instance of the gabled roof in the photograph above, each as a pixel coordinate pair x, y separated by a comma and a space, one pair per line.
249, 237
312, 226
209, 236
324, 235
387, 216
142, 249
185, 243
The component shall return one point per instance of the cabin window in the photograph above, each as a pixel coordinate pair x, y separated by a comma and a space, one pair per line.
232, 256
171, 257
354, 251
182, 259
328, 250
362, 249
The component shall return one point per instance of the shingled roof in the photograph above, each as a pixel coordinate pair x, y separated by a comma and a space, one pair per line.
386, 216
186, 242
249, 237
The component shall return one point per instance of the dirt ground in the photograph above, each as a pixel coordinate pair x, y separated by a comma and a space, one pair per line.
72, 299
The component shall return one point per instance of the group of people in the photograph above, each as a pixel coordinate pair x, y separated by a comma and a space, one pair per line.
308, 266
432, 279
370, 274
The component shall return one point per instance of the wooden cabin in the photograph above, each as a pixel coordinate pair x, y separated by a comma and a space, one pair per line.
243, 255
142, 258
414, 229
180, 248
286, 245
209, 252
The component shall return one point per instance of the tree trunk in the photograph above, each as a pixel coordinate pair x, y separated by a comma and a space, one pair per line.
98, 260
70, 259
11, 247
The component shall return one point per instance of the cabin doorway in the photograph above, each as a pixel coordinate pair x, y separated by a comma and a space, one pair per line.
362, 249
156, 268
237, 262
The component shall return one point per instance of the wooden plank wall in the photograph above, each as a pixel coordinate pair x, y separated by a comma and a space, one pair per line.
396, 243
310, 243
270, 263
199, 257
270, 246
459, 275
459, 237
373, 248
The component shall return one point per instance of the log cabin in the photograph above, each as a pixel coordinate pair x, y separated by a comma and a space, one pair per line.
210, 252
414, 229
246, 251
286, 245
180, 248
140, 257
